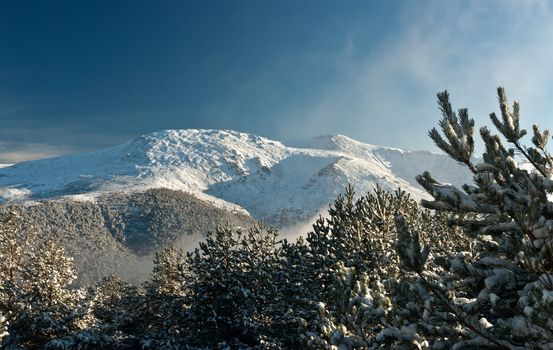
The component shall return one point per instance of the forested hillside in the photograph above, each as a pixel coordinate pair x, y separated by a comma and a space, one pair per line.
118, 233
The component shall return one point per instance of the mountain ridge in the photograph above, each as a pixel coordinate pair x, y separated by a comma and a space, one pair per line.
280, 183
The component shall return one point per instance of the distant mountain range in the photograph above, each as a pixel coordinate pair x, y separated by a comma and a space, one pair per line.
281, 184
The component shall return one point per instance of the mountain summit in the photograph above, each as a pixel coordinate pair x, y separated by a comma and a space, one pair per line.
280, 184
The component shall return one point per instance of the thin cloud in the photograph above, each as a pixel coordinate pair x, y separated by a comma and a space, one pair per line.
11, 153
26, 143
23, 144
468, 47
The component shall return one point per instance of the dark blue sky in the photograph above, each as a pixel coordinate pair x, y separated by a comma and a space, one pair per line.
80, 75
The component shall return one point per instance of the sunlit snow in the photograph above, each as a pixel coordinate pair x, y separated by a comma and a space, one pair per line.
270, 180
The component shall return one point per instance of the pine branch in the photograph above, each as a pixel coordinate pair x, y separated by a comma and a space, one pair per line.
458, 132
461, 318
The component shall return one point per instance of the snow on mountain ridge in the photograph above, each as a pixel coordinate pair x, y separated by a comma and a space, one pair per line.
278, 183
405, 164
337, 142
202, 156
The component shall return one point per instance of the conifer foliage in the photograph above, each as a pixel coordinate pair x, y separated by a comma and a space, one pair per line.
368, 297
36, 304
504, 298
234, 287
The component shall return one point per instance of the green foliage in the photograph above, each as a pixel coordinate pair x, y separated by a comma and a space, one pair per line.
409, 246
507, 213
458, 132
234, 286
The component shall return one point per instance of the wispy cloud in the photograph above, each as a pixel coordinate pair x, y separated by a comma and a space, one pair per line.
26, 143
468, 47
11, 152
376, 83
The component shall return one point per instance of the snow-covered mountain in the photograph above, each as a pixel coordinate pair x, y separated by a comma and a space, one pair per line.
280, 184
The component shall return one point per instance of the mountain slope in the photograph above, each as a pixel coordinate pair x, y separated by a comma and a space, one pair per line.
281, 184
118, 233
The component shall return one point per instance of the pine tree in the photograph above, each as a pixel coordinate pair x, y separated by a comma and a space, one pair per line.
233, 287
498, 294
167, 299
38, 306
366, 297
14, 252
44, 305
118, 310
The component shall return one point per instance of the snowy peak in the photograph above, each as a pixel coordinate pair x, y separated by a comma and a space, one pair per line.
182, 159
339, 143
274, 182
401, 163
177, 147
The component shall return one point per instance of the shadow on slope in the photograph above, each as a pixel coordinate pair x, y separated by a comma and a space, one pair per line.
290, 192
